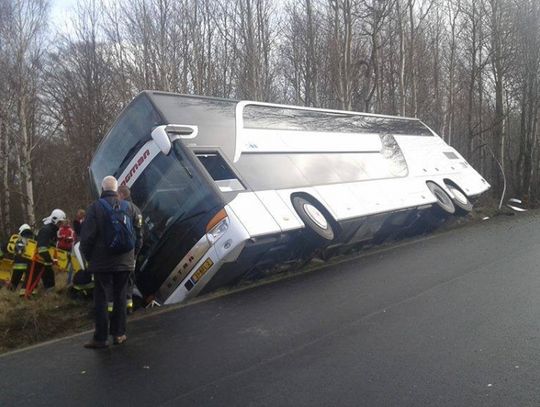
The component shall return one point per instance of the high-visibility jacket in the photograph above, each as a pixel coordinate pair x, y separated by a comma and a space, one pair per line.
19, 262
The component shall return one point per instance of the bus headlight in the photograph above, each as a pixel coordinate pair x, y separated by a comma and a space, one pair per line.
217, 231
217, 226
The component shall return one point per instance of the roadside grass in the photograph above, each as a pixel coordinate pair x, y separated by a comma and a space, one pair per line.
42, 317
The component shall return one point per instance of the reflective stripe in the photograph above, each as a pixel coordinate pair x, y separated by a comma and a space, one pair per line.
22, 292
43, 249
130, 303
83, 286
20, 266
110, 307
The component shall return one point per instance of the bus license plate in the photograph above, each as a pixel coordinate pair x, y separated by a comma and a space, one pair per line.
202, 270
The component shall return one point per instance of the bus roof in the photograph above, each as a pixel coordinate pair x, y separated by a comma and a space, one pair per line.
214, 117
226, 123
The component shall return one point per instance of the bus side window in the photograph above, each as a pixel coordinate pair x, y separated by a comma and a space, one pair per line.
220, 172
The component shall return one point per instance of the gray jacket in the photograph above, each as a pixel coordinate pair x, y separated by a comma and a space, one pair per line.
93, 239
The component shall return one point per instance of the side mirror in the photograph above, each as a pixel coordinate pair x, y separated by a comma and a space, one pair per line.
161, 138
164, 135
182, 131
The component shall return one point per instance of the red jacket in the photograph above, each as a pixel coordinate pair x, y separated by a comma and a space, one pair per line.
66, 237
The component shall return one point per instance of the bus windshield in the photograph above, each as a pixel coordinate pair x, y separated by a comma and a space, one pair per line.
168, 191
135, 124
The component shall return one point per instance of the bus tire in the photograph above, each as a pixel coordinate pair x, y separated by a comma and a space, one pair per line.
444, 206
315, 217
461, 201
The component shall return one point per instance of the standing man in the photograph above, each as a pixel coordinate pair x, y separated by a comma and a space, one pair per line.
77, 223
110, 236
125, 194
46, 238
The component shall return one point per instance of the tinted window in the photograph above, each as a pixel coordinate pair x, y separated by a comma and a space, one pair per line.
220, 172
216, 166
280, 118
276, 171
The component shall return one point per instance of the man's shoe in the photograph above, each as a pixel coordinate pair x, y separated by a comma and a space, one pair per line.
93, 344
119, 340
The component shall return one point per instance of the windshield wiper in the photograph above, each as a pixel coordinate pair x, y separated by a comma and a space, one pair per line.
181, 159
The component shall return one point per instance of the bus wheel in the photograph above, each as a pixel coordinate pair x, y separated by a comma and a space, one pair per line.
314, 217
444, 205
461, 202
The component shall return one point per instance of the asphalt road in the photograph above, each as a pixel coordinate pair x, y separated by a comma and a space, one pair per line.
451, 320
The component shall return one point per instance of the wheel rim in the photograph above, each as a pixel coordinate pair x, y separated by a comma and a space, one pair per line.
458, 195
316, 216
443, 200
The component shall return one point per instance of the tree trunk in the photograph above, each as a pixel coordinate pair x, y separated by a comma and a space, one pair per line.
498, 118
412, 67
5, 212
27, 187
401, 59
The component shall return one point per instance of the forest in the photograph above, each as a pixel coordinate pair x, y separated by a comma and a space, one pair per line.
469, 69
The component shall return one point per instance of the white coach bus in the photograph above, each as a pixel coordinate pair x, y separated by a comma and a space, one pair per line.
228, 187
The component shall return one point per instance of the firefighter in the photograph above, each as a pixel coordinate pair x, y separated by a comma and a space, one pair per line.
21, 265
46, 237
83, 284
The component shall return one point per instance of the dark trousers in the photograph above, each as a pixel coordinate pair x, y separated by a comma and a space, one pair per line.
130, 285
115, 283
20, 268
48, 277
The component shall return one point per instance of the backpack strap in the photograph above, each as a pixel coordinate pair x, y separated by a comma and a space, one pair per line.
121, 204
105, 204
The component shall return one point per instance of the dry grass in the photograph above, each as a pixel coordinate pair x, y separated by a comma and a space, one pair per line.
42, 317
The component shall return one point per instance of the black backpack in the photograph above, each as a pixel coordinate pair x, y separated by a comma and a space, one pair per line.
118, 227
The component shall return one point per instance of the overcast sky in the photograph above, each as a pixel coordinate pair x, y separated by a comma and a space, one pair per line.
61, 11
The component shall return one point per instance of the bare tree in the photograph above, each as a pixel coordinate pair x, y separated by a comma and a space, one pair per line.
529, 71
301, 51
5, 102
25, 44
255, 27
84, 93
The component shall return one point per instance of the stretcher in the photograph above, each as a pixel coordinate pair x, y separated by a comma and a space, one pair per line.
62, 258
6, 267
